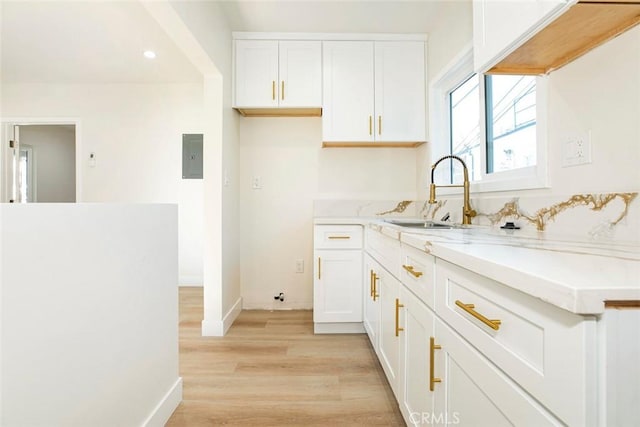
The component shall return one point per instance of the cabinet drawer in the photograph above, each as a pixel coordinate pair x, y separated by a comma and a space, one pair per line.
337, 237
538, 345
385, 250
418, 273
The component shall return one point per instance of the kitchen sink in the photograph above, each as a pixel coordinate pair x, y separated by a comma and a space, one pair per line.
419, 224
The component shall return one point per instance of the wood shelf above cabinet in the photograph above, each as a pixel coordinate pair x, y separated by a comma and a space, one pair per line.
583, 27
333, 144
280, 112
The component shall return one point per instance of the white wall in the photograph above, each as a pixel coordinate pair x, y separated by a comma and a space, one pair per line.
277, 220
453, 32
135, 130
89, 314
600, 93
208, 25
54, 160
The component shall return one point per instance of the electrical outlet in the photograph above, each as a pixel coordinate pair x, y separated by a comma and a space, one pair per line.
256, 183
576, 149
299, 266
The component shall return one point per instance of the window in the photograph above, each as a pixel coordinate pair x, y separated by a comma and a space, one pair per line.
494, 123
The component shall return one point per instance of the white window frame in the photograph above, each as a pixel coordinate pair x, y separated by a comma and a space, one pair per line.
454, 74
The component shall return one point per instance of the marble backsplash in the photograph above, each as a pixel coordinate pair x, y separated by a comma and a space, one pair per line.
606, 216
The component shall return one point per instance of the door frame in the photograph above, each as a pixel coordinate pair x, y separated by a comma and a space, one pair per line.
7, 124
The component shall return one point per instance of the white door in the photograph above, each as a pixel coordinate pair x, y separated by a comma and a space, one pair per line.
371, 308
347, 91
390, 325
337, 287
256, 74
400, 97
300, 73
415, 396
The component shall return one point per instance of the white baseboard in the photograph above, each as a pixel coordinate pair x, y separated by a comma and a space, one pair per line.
218, 328
338, 328
275, 305
163, 411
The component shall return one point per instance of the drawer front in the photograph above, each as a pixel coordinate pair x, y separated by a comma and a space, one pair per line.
385, 250
541, 347
337, 237
418, 274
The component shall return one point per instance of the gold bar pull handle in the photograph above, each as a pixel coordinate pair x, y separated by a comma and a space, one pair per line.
379, 125
398, 307
273, 90
371, 273
432, 367
319, 268
282, 91
375, 287
469, 308
370, 125
339, 237
411, 271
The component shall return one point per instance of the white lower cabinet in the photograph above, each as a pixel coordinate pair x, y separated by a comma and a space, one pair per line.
337, 284
415, 397
371, 303
458, 348
472, 391
389, 327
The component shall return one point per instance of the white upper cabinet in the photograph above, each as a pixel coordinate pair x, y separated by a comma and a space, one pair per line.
300, 74
500, 26
347, 114
374, 92
278, 74
400, 92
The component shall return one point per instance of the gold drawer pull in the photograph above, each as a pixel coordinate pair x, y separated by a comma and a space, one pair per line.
398, 307
319, 267
370, 125
273, 90
282, 91
375, 287
379, 125
411, 271
339, 237
469, 308
371, 283
432, 349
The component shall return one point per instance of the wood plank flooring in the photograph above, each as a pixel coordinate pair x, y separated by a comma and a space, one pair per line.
271, 370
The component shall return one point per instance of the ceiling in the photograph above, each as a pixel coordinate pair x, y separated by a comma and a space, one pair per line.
103, 41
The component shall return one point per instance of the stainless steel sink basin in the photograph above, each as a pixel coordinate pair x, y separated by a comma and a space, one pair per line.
419, 224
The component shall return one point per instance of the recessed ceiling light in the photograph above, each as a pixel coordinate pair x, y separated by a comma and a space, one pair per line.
149, 54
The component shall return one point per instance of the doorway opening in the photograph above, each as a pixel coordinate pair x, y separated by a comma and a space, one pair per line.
40, 163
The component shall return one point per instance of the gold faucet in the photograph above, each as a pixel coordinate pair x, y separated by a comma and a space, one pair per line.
467, 212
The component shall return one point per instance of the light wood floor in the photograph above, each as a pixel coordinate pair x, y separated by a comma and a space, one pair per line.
271, 370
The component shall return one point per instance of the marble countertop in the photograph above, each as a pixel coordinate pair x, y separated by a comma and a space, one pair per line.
578, 276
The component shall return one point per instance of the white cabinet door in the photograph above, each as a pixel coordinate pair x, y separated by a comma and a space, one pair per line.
390, 325
300, 74
371, 304
415, 397
347, 114
337, 287
400, 112
472, 391
499, 26
256, 73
